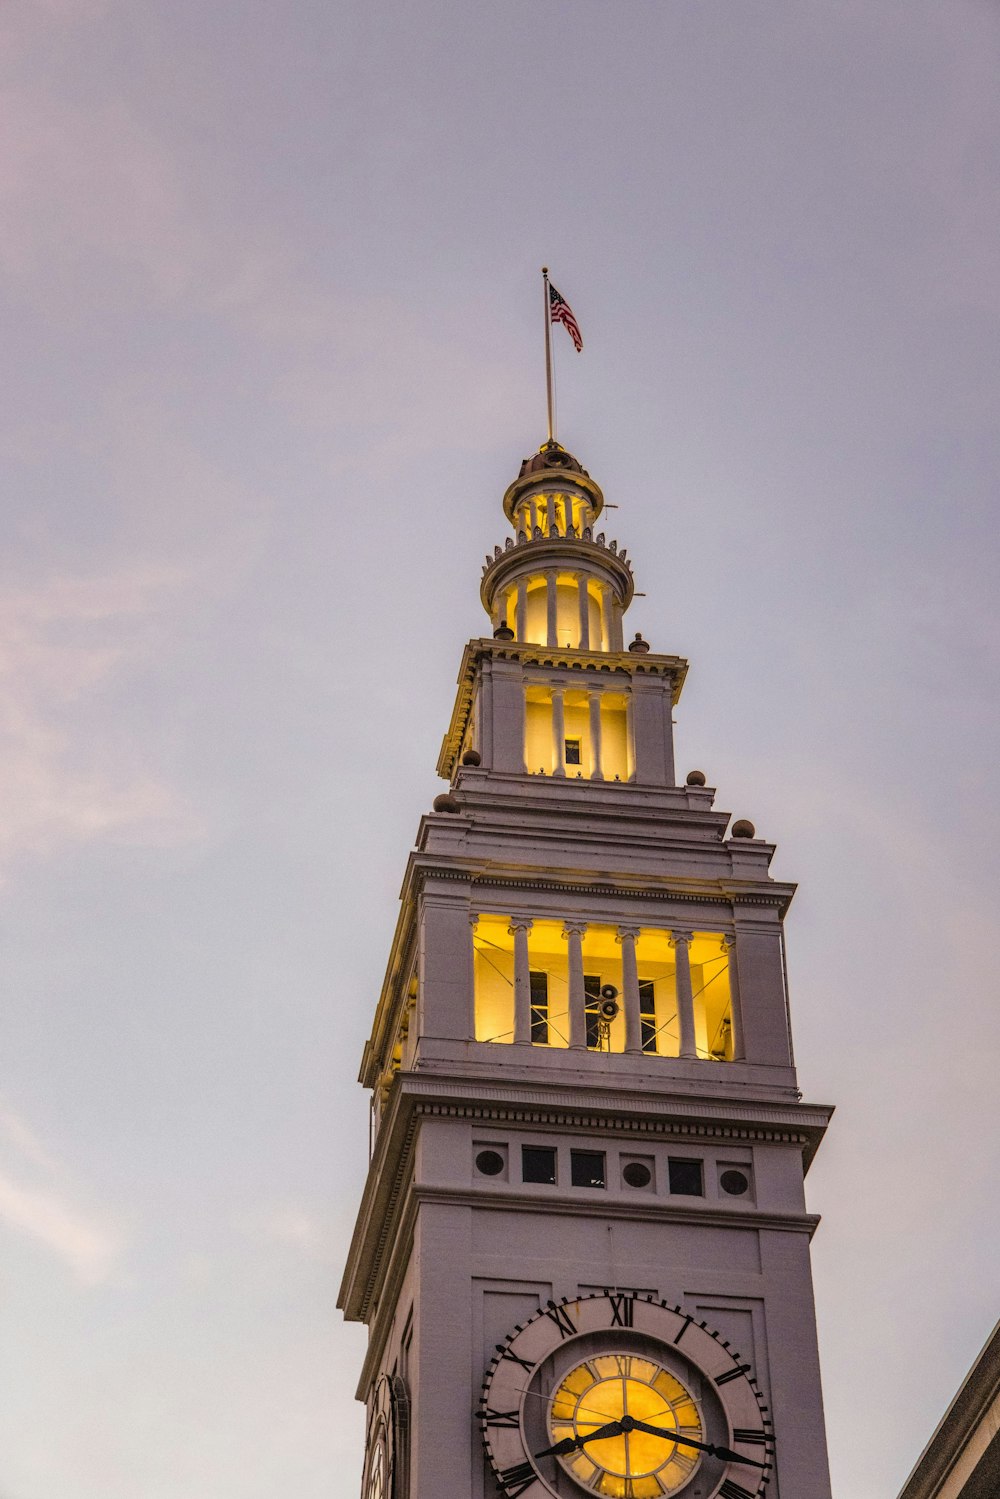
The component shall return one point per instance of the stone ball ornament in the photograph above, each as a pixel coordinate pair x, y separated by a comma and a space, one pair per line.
696, 778
744, 828
472, 757
622, 1394
446, 803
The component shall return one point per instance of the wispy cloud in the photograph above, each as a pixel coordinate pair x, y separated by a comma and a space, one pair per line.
61, 782
47, 1209
290, 1225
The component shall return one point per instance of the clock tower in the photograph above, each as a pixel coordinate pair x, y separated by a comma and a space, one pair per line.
582, 1252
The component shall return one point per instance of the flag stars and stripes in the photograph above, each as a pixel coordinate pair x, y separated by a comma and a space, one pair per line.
561, 312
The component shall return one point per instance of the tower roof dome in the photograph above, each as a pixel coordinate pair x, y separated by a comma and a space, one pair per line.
551, 455
551, 467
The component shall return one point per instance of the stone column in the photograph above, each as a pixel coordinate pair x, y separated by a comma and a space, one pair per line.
630, 988
631, 768
573, 932
584, 599
473, 928
519, 929
736, 1014
615, 626
594, 704
681, 943
533, 512
558, 733
521, 615
551, 609
606, 617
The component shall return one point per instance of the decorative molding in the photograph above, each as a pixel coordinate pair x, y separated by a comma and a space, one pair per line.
609, 1123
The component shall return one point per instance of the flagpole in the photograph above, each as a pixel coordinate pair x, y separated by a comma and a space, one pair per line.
548, 347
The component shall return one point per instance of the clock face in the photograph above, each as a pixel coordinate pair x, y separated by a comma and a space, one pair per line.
602, 1390
385, 1448
626, 1396
377, 1478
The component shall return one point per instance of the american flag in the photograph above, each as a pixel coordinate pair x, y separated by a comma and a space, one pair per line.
561, 312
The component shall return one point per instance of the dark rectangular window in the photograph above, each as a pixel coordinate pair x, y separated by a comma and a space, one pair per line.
586, 1168
573, 752
592, 989
647, 1014
686, 1178
540, 1008
538, 1164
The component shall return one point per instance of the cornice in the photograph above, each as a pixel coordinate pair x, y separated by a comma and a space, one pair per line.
776, 897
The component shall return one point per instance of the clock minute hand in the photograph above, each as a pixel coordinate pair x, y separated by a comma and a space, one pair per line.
726, 1453
570, 1444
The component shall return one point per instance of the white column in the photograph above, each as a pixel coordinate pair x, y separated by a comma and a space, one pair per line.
533, 515
606, 617
681, 943
630, 769
473, 927
615, 625
739, 1042
584, 599
551, 608
594, 704
521, 618
573, 932
630, 988
558, 733
519, 929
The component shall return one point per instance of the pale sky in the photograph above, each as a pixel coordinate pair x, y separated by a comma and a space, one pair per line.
273, 349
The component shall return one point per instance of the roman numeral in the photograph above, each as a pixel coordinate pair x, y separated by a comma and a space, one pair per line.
514, 1358
499, 1418
751, 1438
515, 1480
560, 1316
684, 1327
732, 1490
622, 1310
733, 1374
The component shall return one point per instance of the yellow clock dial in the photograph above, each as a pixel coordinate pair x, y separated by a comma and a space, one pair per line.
632, 1464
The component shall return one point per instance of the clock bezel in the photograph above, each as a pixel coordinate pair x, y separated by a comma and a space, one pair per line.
635, 1320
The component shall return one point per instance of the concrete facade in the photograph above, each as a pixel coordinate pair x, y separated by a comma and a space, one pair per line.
675, 1139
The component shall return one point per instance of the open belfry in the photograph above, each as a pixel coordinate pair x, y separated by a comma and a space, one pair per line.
582, 1253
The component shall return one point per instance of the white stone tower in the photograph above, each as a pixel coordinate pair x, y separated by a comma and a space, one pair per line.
583, 1249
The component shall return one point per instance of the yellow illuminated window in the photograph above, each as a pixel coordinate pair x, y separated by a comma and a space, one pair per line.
656, 961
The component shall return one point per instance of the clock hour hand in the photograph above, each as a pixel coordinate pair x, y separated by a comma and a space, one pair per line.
726, 1453
570, 1444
